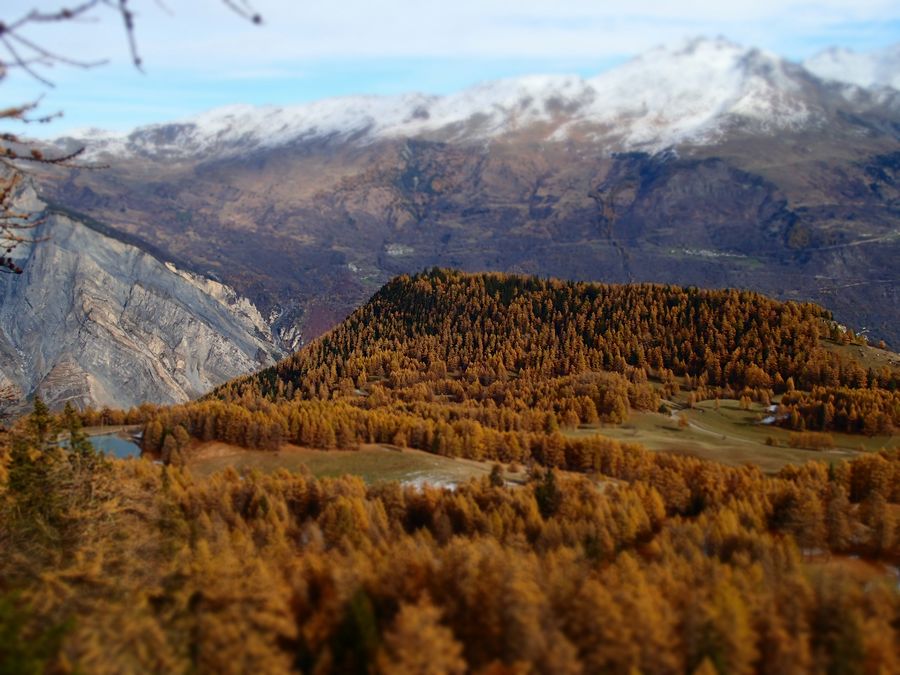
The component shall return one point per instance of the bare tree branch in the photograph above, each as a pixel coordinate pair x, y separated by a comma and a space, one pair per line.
23, 63
128, 22
64, 14
49, 57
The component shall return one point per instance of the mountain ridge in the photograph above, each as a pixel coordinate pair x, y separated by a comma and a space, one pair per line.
691, 93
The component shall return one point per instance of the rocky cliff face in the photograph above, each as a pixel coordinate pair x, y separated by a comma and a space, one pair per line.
98, 321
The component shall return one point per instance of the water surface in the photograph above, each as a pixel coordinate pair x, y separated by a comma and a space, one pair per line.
112, 445
116, 446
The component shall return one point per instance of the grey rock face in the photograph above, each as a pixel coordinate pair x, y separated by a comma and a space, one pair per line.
96, 321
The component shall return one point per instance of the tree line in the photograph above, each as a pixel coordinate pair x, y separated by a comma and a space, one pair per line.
869, 411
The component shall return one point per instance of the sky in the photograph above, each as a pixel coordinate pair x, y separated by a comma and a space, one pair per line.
198, 54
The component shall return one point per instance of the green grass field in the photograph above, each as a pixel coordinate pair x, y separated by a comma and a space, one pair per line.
868, 357
730, 435
729, 419
373, 463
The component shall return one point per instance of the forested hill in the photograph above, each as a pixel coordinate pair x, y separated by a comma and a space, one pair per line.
491, 366
488, 328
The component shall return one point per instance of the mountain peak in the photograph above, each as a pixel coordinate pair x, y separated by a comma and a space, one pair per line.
700, 45
694, 92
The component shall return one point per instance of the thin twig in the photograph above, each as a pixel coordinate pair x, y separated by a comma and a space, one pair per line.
19, 61
52, 56
128, 21
64, 14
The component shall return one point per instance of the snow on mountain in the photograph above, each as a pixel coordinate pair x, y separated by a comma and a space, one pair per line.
691, 93
872, 69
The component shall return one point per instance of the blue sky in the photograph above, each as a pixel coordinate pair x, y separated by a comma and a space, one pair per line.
198, 55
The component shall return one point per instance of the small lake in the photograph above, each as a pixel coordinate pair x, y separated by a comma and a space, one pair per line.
116, 446
113, 446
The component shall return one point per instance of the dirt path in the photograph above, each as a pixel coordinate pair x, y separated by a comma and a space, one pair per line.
693, 425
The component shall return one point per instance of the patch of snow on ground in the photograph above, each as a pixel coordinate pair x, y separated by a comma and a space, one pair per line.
419, 483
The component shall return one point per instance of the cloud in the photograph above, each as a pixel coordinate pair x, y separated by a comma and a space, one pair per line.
205, 32
521, 29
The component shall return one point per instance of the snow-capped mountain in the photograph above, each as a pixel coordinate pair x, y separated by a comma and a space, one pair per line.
694, 93
871, 69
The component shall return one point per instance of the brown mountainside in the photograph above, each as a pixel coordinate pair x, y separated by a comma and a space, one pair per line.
711, 165
310, 232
